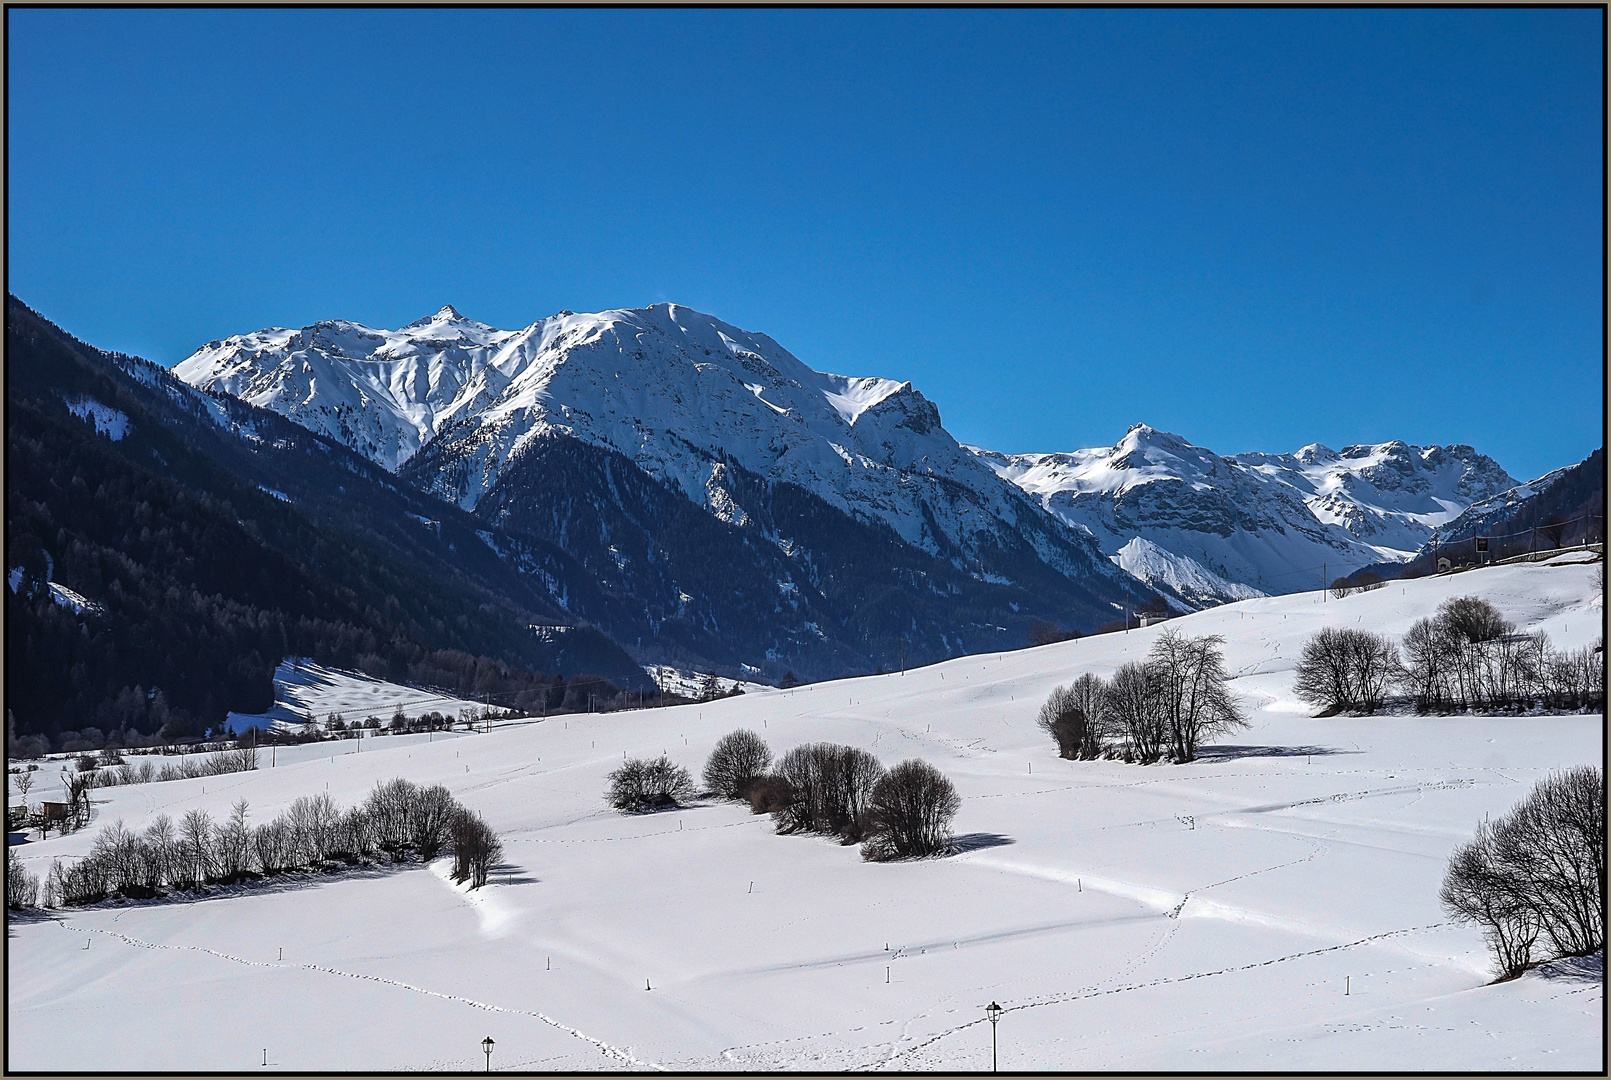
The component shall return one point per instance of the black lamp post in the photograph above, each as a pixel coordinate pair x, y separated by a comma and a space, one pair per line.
486, 1048
993, 1011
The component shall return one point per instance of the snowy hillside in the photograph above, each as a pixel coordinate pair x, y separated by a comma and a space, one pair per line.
675, 391
1272, 906
1185, 577
305, 692
1270, 521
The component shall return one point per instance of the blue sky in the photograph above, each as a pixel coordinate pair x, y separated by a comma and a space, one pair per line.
1258, 229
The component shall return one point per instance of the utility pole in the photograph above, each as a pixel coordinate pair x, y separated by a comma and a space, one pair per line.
903, 655
1324, 584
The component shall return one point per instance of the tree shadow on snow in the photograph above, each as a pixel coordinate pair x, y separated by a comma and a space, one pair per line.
505, 874
977, 841
1581, 968
1237, 753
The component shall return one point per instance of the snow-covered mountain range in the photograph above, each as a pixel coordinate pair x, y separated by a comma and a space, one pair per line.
679, 393
1273, 522
688, 398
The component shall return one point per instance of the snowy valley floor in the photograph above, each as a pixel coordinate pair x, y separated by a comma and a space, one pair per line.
1196, 917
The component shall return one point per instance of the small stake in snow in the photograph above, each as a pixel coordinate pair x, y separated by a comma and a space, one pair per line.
752, 886
886, 975
646, 985
1347, 980
282, 952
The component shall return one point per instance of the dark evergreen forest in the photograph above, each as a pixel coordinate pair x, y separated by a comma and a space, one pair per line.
201, 580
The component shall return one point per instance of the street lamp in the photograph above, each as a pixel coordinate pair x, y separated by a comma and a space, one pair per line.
486, 1048
993, 1011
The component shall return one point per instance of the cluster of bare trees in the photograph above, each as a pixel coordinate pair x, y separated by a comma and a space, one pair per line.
398, 820
840, 791
22, 887
642, 785
1464, 656
1165, 706
1534, 880
243, 759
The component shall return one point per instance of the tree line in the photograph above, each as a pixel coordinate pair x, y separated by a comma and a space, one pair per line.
823, 788
1162, 707
1465, 656
398, 821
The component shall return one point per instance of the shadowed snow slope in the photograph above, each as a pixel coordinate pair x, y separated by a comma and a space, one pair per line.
1193, 917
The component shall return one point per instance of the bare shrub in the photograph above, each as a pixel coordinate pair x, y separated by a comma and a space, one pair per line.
1473, 619
1063, 719
910, 813
641, 785
735, 762
769, 795
832, 786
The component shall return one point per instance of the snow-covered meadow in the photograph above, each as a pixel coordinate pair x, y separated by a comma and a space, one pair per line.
1271, 906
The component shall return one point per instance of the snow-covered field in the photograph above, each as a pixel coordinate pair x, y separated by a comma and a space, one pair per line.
1272, 906
303, 689
689, 683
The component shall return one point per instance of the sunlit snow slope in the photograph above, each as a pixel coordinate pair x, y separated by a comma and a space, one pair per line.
1196, 917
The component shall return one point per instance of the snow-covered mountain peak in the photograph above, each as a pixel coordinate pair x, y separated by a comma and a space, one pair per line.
675, 391
448, 314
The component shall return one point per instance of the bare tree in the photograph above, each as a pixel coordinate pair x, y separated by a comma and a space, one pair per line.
735, 762
1477, 889
432, 820
196, 846
232, 843
1344, 668
910, 813
1191, 678
1554, 529
1135, 702
1090, 697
